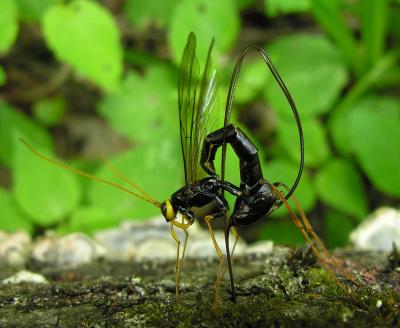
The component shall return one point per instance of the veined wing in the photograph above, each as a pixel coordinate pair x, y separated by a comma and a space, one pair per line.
196, 101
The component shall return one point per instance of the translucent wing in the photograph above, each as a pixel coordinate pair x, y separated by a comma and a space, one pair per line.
196, 101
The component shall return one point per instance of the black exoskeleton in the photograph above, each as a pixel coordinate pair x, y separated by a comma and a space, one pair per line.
255, 198
200, 194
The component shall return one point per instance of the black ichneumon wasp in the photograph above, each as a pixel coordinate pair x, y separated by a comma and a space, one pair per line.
255, 197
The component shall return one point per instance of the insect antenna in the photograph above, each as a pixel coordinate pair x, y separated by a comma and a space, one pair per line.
87, 175
119, 175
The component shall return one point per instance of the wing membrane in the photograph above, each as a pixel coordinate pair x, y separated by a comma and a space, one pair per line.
196, 101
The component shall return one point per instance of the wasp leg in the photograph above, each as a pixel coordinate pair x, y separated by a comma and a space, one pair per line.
208, 220
178, 264
303, 231
306, 222
220, 201
174, 235
229, 187
297, 222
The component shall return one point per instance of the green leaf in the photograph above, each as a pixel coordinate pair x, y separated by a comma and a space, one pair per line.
207, 19
281, 170
43, 191
50, 111
252, 80
158, 170
14, 124
340, 186
33, 10
374, 18
338, 119
337, 229
8, 24
328, 14
375, 134
145, 108
84, 35
279, 7
140, 58
315, 76
316, 148
281, 231
3, 76
243, 4
148, 13
88, 219
11, 219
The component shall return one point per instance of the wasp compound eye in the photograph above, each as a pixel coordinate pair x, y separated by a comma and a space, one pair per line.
167, 210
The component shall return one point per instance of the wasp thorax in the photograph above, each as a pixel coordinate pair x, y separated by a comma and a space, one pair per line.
167, 210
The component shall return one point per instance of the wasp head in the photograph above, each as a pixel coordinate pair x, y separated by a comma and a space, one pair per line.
168, 211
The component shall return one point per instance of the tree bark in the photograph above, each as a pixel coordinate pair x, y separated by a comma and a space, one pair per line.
284, 288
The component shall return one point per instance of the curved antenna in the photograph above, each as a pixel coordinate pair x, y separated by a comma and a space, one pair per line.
278, 79
119, 175
87, 175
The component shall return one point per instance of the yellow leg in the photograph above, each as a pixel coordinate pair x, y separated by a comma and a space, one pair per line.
184, 226
309, 230
183, 252
178, 265
217, 301
177, 269
296, 221
307, 223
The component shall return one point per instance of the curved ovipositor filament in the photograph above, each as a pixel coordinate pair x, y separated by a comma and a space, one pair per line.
228, 111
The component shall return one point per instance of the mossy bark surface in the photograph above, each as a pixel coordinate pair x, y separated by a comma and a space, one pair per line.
284, 288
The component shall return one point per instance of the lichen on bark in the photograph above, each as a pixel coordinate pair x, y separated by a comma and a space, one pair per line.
284, 288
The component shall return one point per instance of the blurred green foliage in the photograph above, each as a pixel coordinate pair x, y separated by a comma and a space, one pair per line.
85, 35
50, 111
8, 24
339, 59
